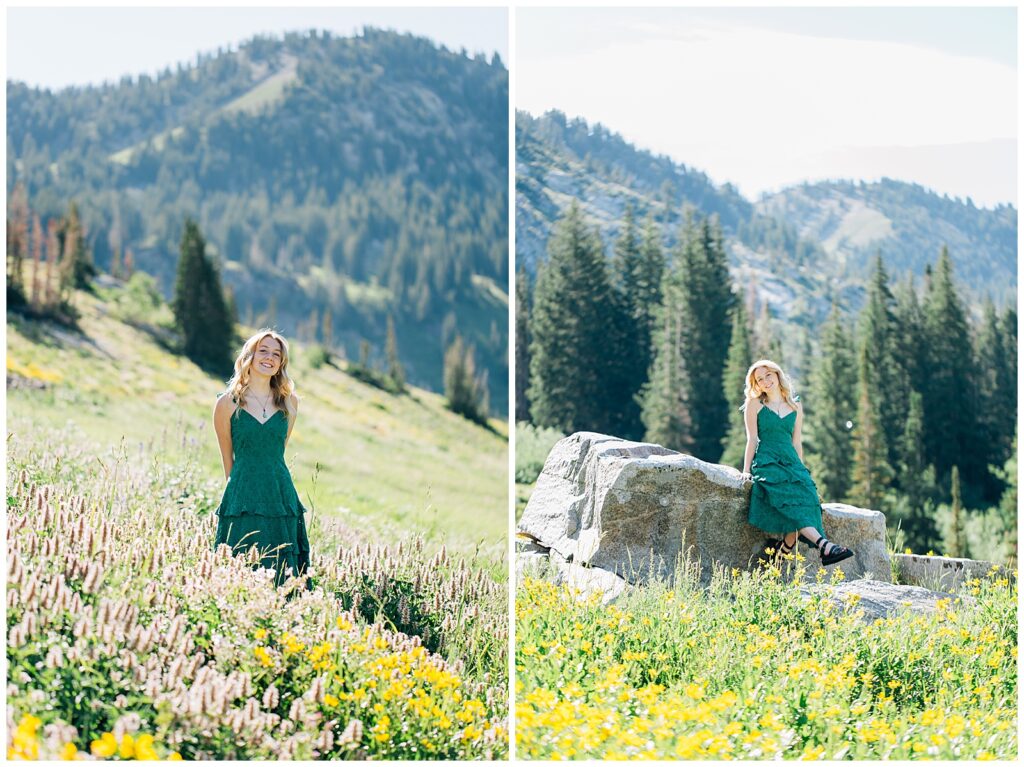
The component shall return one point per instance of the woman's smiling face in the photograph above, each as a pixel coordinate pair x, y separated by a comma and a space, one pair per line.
267, 358
766, 379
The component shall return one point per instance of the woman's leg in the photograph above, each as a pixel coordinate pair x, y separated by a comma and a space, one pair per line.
788, 544
814, 538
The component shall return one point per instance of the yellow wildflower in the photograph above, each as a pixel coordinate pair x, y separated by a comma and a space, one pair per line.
127, 748
144, 748
105, 746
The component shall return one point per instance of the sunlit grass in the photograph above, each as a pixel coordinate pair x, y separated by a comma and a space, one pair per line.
401, 462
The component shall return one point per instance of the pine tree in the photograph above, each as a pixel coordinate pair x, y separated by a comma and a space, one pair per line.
50, 289
229, 302
17, 244
570, 336
910, 351
38, 240
684, 404
997, 393
522, 345
628, 361
200, 310
327, 329
645, 299
955, 546
877, 350
707, 300
663, 407
395, 370
734, 383
834, 394
76, 269
916, 481
1008, 503
464, 391
949, 398
871, 471
766, 343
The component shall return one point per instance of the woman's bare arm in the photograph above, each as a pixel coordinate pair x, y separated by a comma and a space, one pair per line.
750, 421
797, 438
222, 412
293, 414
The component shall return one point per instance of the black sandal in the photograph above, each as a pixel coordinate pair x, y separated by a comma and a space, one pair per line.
786, 549
778, 547
837, 554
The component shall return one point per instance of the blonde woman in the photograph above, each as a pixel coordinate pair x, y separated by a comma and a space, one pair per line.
254, 419
784, 498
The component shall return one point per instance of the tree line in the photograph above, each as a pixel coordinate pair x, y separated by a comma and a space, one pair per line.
910, 409
47, 263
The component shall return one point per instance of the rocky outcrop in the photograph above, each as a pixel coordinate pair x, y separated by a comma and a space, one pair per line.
634, 509
942, 573
877, 600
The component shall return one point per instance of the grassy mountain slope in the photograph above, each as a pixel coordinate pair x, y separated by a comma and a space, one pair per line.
362, 176
909, 225
386, 463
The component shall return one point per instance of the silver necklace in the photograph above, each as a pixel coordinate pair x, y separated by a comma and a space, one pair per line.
264, 403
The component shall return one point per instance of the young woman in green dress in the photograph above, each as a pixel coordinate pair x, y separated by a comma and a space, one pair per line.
254, 419
784, 498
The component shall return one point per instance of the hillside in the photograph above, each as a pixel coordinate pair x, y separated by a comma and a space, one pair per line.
559, 159
909, 225
795, 251
361, 176
369, 460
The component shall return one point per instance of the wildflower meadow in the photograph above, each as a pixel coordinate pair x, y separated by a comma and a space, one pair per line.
751, 668
130, 637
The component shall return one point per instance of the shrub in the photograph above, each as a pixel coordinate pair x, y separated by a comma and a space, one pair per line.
533, 443
318, 356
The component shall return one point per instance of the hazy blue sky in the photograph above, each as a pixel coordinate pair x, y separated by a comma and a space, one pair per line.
56, 47
766, 97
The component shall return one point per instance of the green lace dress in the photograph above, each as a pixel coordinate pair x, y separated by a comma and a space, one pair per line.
784, 497
260, 506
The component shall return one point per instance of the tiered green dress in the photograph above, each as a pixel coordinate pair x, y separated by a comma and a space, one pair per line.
784, 497
260, 506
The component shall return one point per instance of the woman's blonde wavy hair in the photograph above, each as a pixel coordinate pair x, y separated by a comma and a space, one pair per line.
785, 387
281, 384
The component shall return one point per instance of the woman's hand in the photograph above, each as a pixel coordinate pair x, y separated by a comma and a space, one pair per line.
746, 476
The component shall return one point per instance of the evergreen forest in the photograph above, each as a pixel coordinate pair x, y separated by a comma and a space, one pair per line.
351, 191
910, 398
796, 252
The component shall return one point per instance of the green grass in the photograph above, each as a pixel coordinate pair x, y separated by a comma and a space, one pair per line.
267, 92
124, 156
380, 462
751, 670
